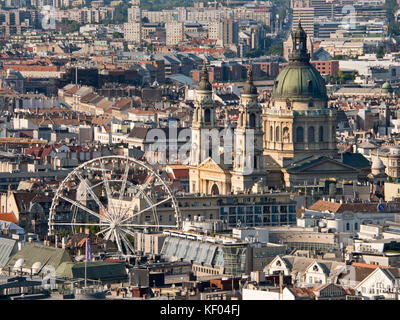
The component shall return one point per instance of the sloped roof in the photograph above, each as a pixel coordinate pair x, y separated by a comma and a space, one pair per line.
96, 270
358, 207
6, 248
313, 161
9, 217
356, 160
32, 253
302, 292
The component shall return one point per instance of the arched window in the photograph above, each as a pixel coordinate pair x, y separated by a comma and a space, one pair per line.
321, 134
356, 226
299, 134
277, 134
285, 135
207, 116
311, 135
252, 120
214, 190
271, 132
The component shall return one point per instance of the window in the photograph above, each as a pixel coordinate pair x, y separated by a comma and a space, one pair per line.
347, 226
321, 134
277, 134
271, 130
252, 120
311, 135
207, 116
299, 134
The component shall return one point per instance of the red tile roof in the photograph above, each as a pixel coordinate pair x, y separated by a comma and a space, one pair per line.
358, 207
9, 217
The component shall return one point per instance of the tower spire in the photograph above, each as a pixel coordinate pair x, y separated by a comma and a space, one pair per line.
204, 83
299, 53
249, 87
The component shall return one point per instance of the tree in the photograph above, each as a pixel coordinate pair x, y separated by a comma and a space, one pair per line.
276, 50
117, 35
255, 53
380, 52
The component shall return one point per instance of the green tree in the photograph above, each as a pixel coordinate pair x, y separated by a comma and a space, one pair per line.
117, 35
276, 50
380, 52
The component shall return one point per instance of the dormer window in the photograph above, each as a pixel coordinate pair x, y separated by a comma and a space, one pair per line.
315, 268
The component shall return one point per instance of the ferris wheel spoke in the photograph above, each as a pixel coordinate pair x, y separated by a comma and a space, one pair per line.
144, 186
108, 190
145, 196
108, 234
138, 225
118, 241
81, 206
127, 242
102, 231
140, 190
146, 209
94, 196
76, 224
129, 232
121, 193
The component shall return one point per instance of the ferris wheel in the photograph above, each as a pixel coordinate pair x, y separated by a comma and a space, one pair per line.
115, 195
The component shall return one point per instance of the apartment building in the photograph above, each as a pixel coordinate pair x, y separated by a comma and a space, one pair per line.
133, 32
174, 33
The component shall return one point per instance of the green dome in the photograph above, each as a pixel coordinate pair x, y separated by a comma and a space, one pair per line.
299, 80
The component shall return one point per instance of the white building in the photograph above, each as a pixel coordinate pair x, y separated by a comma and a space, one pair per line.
133, 32
174, 33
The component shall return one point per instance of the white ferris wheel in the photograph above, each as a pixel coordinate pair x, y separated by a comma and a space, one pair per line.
114, 194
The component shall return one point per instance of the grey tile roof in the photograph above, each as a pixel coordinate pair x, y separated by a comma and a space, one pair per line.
7, 247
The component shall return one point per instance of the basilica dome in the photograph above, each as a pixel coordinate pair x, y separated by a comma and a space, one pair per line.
299, 80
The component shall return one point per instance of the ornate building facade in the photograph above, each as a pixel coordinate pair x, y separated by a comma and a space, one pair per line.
290, 141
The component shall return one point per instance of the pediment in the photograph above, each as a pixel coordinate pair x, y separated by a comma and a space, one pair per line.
326, 165
211, 165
